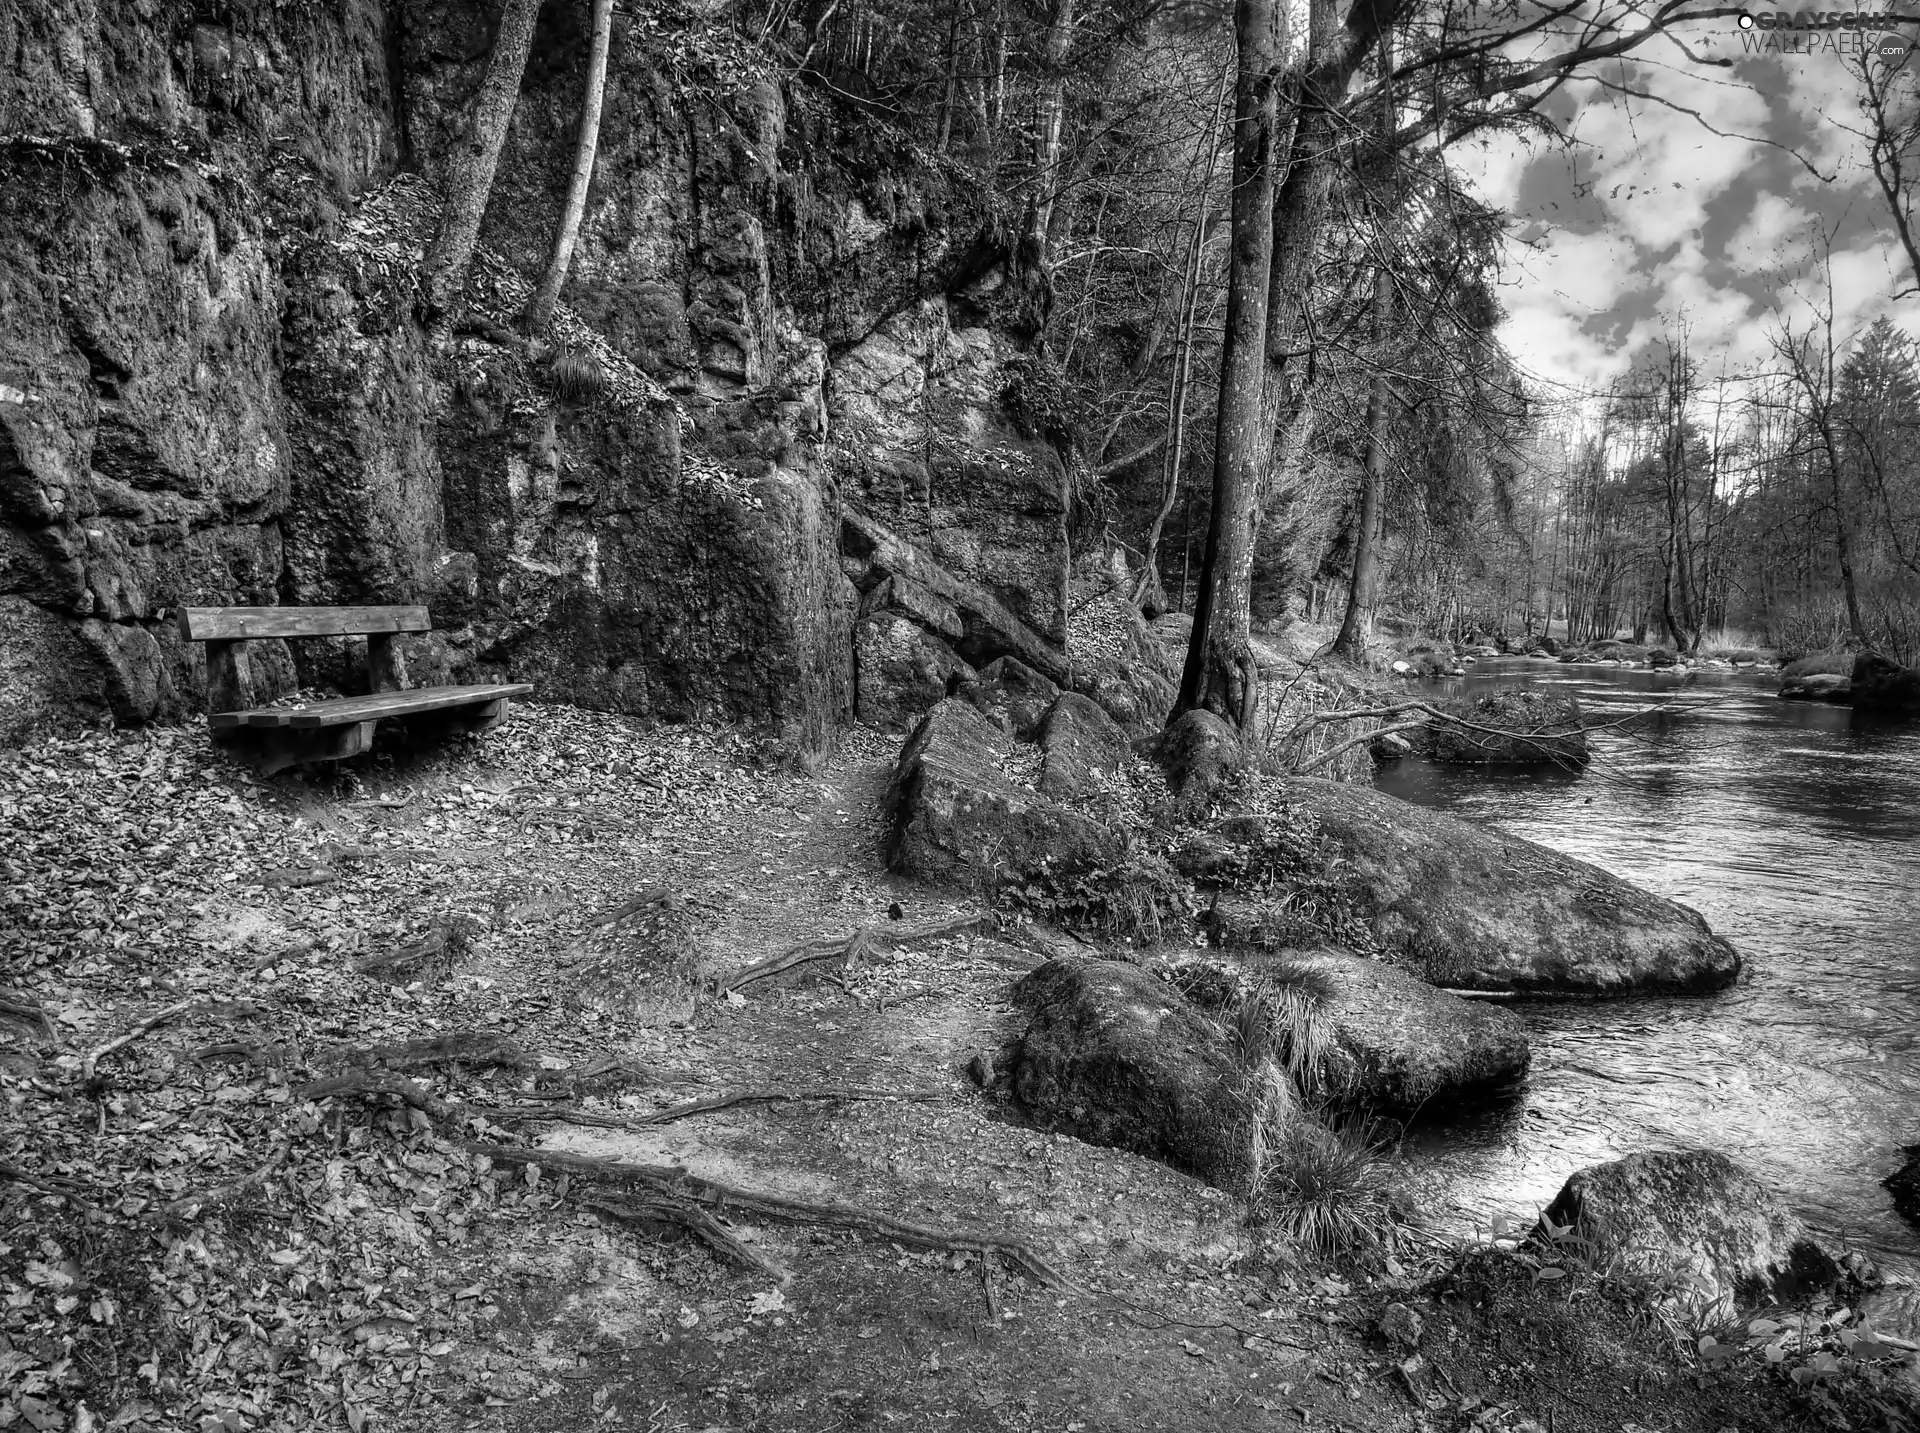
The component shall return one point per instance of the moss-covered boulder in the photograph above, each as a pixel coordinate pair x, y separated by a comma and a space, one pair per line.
963, 810
1086, 752
1114, 1055
1012, 696
1695, 1212
1395, 1042
1463, 905
900, 670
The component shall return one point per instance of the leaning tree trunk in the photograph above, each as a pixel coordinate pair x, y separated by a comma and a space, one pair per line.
540, 307
1357, 625
470, 172
1220, 674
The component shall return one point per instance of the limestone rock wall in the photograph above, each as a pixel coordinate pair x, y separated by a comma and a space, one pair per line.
212, 388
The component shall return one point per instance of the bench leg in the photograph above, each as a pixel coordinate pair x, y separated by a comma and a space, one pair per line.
277, 749
464, 721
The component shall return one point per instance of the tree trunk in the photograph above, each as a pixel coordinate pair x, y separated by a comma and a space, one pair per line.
1842, 542
1357, 625
547, 296
1183, 363
1334, 54
1052, 122
470, 171
1220, 674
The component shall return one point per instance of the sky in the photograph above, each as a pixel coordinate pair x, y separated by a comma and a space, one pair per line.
1650, 222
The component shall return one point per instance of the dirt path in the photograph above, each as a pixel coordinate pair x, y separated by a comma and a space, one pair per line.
189, 1243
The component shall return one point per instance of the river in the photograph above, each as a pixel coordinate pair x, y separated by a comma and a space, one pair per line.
1794, 828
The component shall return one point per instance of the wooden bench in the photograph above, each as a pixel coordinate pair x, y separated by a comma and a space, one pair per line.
278, 737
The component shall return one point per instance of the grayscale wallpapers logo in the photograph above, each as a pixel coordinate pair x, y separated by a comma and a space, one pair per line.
1843, 33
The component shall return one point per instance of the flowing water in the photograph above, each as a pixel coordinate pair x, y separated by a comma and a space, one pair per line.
1794, 828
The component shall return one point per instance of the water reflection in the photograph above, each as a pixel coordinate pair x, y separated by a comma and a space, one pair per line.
1795, 829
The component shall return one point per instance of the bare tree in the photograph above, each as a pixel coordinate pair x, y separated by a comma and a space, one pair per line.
1890, 103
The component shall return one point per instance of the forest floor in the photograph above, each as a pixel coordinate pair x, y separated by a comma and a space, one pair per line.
191, 1237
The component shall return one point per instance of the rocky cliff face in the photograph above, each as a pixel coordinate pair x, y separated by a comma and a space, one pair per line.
213, 388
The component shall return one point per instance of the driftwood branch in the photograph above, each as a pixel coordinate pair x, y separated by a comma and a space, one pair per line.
1430, 713
673, 1183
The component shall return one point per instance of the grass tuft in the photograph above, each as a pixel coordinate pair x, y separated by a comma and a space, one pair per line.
577, 377
1326, 1191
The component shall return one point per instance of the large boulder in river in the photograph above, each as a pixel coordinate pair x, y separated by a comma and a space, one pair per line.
1881, 685
963, 810
1114, 1055
1521, 725
1818, 687
1464, 905
1696, 1212
1397, 1043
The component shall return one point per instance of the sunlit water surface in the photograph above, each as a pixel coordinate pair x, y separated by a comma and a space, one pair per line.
1794, 828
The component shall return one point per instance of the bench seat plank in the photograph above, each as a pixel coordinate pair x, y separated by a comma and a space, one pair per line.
342, 710
238, 624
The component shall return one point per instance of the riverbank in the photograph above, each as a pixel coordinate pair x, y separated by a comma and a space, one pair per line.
524, 927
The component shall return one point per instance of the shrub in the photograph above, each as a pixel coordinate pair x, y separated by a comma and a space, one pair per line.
1137, 898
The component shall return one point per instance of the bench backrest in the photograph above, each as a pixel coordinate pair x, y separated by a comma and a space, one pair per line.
238, 624
227, 630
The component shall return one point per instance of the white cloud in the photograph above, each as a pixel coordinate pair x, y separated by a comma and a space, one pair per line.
1737, 215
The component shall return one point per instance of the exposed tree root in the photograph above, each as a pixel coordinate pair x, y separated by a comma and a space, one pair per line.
854, 948
374, 1082
397, 966
26, 1013
665, 1182
747, 1097
51, 1184
120, 1042
189, 1205
459, 1047
387, 1082
696, 1221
